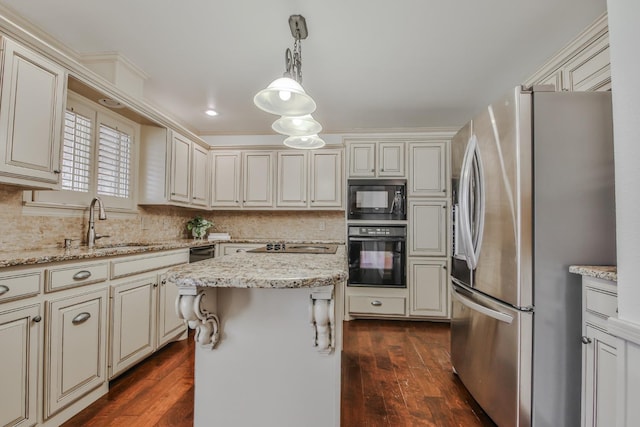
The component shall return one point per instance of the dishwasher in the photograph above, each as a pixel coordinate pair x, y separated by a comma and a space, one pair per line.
200, 253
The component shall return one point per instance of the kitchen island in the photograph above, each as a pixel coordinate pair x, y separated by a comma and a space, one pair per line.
268, 339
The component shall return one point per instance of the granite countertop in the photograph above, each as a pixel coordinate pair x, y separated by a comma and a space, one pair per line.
605, 272
12, 258
264, 270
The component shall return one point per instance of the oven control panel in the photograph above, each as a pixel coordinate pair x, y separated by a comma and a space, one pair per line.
373, 231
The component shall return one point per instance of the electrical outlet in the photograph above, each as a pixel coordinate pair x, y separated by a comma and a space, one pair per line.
321, 226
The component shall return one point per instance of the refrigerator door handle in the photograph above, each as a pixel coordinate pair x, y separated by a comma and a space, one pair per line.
465, 214
502, 317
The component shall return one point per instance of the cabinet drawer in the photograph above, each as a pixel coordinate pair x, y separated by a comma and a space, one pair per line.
601, 303
20, 284
139, 264
377, 305
75, 275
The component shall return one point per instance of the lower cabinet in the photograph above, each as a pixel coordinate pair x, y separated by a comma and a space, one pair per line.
428, 287
169, 324
599, 353
20, 331
133, 313
76, 349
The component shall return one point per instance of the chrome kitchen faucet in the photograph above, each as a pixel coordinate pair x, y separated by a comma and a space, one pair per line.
102, 215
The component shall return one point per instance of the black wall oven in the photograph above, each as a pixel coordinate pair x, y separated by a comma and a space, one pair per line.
377, 199
377, 256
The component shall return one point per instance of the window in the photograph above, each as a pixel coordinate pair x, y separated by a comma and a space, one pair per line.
97, 158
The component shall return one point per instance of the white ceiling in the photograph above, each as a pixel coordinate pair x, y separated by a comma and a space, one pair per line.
369, 64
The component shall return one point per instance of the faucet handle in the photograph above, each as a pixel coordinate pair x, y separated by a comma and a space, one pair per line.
67, 243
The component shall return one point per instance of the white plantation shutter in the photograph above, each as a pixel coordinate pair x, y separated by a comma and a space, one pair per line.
76, 152
114, 162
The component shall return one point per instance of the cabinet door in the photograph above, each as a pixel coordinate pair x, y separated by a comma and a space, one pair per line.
257, 169
19, 354
31, 115
600, 365
169, 324
590, 69
200, 176
292, 179
428, 228
225, 175
362, 158
180, 169
326, 178
133, 322
76, 349
428, 169
391, 159
428, 287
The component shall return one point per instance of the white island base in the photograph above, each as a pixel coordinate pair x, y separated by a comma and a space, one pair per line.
267, 368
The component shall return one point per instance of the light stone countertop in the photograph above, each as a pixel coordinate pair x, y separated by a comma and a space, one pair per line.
264, 270
605, 272
12, 258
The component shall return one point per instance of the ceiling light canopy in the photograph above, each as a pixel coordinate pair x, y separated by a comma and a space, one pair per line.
286, 96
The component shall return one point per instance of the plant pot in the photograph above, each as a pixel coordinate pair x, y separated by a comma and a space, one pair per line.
198, 233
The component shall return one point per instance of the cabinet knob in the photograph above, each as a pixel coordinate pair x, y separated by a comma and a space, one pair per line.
373, 170
376, 303
3, 289
586, 340
56, 171
155, 285
164, 281
37, 319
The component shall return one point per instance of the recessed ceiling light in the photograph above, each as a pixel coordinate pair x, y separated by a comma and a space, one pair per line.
211, 113
111, 103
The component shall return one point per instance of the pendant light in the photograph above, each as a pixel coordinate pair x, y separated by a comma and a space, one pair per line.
286, 97
307, 142
297, 125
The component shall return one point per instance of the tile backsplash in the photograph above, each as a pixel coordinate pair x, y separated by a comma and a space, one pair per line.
20, 231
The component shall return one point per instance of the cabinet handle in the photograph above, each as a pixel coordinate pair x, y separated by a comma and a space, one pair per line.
37, 319
3, 289
81, 275
444, 267
586, 340
81, 318
164, 281
56, 171
376, 303
373, 170
173, 194
381, 170
155, 285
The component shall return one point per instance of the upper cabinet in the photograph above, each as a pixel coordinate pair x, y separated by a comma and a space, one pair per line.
428, 169
173, 169
309, 179
31, 112
376, 159
257, 176
225, 179
583, 65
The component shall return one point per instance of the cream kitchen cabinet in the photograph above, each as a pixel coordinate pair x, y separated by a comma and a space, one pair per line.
599, 353
309, 180
31, 115
427, 228
76, 347
428, 287
376, 159
428, 175
20, 332
133, 324
174, 169
169, 325
257, 179
225, 178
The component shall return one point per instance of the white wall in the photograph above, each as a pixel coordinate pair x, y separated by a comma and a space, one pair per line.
624, 35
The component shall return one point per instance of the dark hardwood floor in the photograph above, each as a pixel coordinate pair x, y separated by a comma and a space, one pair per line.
394, 374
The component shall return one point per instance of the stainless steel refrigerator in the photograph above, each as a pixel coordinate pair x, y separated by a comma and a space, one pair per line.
533, 192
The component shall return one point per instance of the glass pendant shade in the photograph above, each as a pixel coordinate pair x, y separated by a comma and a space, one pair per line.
308, 142
297, 125
285, 97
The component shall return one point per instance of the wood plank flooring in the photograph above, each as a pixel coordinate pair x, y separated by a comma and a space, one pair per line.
394, 374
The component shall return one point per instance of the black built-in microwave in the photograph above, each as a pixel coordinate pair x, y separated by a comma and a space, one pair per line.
377, 199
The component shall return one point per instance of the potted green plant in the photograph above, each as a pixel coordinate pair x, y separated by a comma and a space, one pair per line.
199, 226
